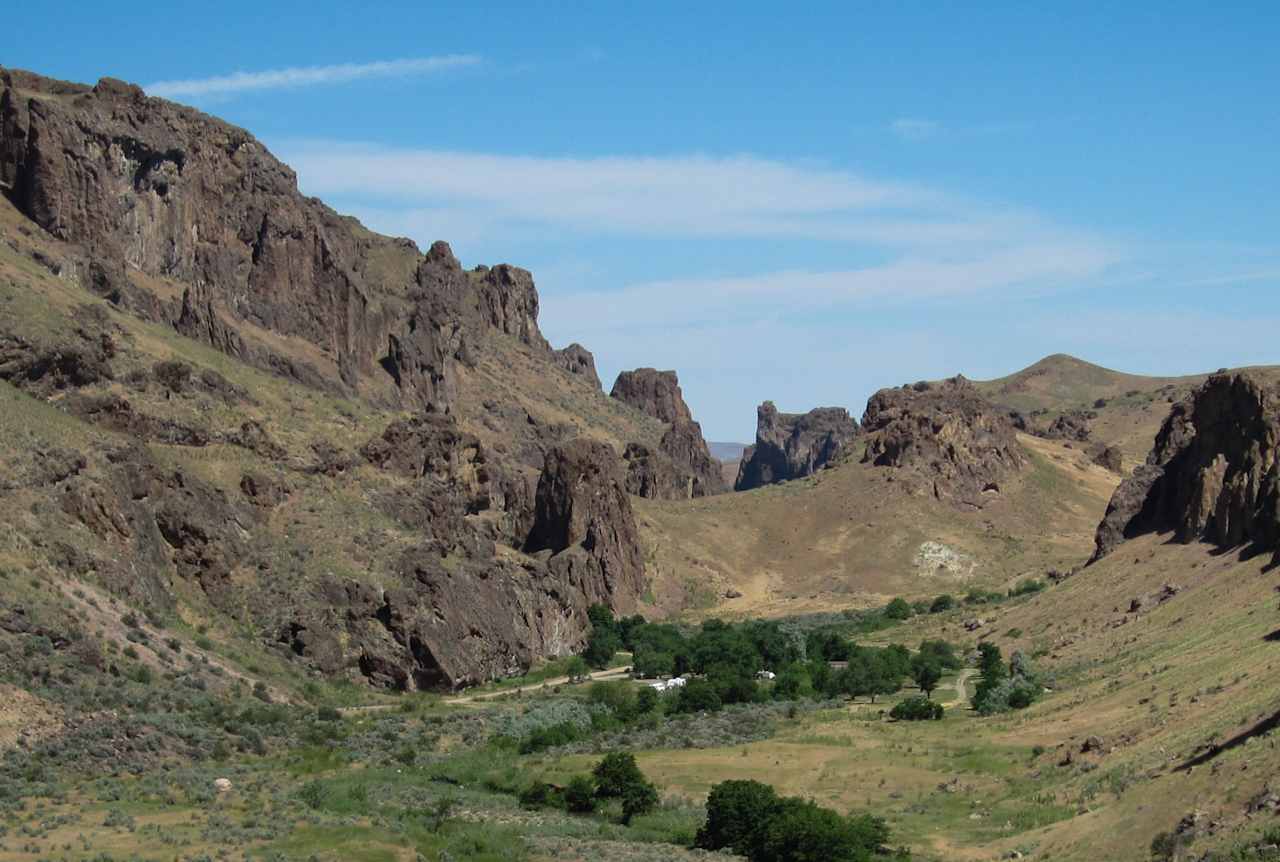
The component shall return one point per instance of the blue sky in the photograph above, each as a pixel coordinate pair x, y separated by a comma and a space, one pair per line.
801, 203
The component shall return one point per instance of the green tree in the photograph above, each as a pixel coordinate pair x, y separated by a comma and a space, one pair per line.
898, 609
649, 662
577, 669
615, 773
638, 799
618, 696
927, 673
698, 695
944, 602
646, 700
792, 683
942, 652
736, 810
916, 709
800, 831
580, 795
604, 640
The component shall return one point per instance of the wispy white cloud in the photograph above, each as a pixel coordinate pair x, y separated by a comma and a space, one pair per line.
677, 196
307, 76
893, 254
913, 128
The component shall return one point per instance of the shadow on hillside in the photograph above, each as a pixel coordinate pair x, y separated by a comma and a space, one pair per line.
1273, 637
1265, 726
1246, 552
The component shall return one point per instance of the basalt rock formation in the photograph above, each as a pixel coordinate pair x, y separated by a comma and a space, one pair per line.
171, 221
682, 467
1212, 475
654, 392
792, 445
948, 433
583, 517
576, 359
153, 190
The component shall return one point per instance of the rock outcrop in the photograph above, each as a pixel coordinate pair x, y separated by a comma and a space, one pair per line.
654, 476
948, 433
1212, 474
792, 445
657, 393
576, 359
583, 517
1075, 425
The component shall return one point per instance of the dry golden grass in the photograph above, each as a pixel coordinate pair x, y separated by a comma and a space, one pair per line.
851, 536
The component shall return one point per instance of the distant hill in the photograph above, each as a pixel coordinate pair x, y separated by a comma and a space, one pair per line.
1129, 407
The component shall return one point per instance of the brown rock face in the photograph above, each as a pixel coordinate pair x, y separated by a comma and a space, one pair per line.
792, 445
956, 439
147, 186
583, 516
654, 476
576, 359
656, 393
1212, 474
685, 446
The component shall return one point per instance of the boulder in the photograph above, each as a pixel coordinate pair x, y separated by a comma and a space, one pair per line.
1108, 457
1212, 474
792, 445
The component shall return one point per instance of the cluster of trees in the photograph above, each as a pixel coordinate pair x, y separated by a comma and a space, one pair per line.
1003, 687
751, 820
616, 777
725, 660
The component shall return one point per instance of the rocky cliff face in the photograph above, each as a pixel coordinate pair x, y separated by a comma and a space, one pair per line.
792, 445
682, 467
576, 359
152, 189
654, 392
184, 221
583, 518
1212, 474
948, 433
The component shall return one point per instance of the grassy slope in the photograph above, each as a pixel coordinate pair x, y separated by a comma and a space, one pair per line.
851, 536
1156, 686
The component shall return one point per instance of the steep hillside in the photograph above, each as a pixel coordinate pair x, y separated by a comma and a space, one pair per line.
319, 440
